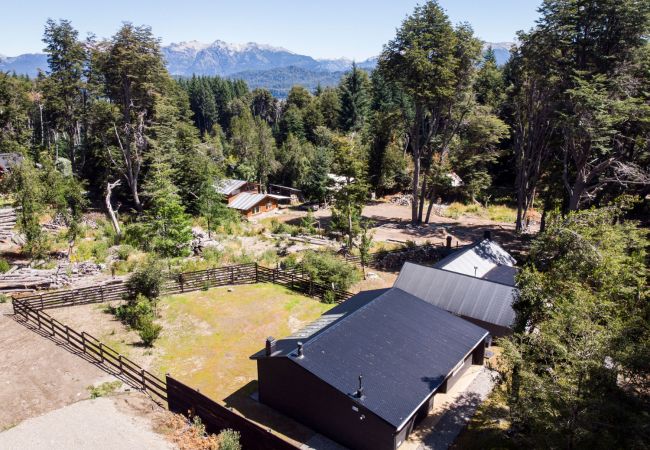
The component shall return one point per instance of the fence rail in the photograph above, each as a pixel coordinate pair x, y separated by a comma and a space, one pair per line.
89, 345
250, 273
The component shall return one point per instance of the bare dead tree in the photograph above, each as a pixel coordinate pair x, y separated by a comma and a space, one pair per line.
109, 207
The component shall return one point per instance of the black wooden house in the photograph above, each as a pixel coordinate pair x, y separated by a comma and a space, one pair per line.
367, 371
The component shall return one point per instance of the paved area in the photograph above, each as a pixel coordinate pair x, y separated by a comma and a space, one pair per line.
458, 413
88, 425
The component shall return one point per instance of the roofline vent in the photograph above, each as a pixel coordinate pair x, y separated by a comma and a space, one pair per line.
270, 345
300, 351
487, 234
359, 393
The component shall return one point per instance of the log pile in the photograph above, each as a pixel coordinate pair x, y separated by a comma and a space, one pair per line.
7, 224
27, 279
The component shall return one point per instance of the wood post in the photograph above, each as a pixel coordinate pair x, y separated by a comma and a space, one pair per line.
257, 276
232, 275
119, 358
101, 351
83, 341
42, 301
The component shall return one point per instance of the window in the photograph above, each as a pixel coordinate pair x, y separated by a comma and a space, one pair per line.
256, 209
269, 205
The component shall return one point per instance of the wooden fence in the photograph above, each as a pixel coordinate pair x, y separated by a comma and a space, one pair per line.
185, 400
91, 346
250, 273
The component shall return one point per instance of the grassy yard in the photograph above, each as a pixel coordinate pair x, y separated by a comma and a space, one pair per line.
208, 336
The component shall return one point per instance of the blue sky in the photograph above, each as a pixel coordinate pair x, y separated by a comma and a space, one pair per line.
320, 28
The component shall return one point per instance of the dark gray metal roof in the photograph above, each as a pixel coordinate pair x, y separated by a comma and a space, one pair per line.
287, 345
403, 346
460, 294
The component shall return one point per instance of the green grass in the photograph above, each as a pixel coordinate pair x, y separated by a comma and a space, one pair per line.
104, 389
208, 336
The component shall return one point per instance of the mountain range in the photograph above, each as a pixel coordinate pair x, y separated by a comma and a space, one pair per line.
259, 65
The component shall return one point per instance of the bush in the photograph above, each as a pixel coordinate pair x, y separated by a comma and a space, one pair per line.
148, 331
135, 312
135, 235
229, 440
4, 265
104, 389
146, 280
124, 251
4, 298
328, 269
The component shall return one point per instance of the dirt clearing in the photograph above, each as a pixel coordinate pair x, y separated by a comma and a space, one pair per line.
92, 424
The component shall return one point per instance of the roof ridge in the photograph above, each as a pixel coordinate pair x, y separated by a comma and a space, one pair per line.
342, 319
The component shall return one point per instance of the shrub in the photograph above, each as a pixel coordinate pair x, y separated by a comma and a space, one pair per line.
4, 298
229, 440
135, 312
328, 269
124, 251
147, 280
148, 331
104, 389
4, 265
135, 235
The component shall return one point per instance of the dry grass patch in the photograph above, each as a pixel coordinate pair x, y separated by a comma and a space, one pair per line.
208, 336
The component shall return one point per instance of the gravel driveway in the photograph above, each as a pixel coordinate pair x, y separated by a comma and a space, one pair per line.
88, 425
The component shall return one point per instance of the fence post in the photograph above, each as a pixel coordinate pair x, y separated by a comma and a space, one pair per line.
67, 334
83, 341
292, 275
181, 282
101, 291
38, 319
257, 276
232, 275
144, 383
41, 301
101, 352
119, 358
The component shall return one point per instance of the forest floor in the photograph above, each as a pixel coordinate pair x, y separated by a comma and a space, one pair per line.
391, 223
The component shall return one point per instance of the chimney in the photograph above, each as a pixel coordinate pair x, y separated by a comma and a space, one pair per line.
300, 352
359, 393
487, 234
448, 241
270, 345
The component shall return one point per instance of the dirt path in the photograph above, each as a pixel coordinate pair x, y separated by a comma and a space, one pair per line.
37, 376
391, 224
92, 424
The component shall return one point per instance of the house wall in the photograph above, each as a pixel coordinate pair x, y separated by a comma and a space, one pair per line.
268, 204
495, 330
296, 392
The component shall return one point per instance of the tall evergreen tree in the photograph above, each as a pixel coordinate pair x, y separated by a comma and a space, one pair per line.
354, 87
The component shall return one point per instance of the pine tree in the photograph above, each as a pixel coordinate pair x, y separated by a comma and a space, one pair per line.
167, 227
354, 87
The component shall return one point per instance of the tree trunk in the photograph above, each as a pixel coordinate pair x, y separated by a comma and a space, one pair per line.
109, 207
431, 200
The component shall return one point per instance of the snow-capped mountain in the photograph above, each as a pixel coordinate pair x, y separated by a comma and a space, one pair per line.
258, 64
